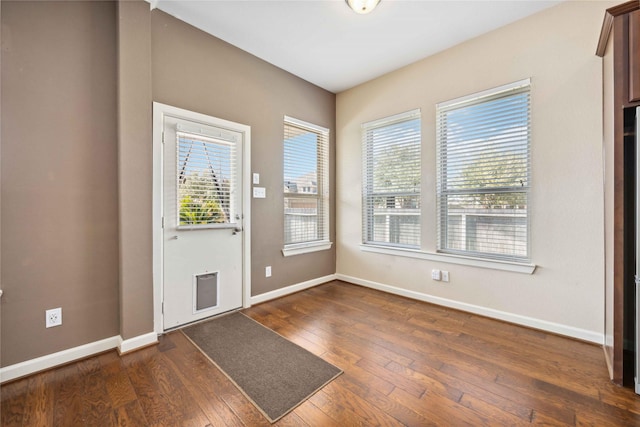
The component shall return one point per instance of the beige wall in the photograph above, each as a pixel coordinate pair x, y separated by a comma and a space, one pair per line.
59, 176
556, 49
59, 166
195, 71
135, 168
76, 162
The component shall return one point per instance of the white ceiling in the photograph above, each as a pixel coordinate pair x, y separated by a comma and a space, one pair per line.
326, 43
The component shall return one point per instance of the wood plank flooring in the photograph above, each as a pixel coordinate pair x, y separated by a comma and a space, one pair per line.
405, 363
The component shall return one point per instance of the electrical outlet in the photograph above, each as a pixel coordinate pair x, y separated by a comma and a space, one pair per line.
435, 274
445, 276
53, 317
259, 192
267, 271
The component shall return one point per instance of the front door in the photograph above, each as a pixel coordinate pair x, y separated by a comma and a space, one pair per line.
202, 219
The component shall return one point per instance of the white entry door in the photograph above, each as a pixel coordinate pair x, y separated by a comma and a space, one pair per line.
202, 211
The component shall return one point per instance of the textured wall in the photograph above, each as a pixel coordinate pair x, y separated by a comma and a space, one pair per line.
556, 49
76, 104
135, 168
198, 72
59, 175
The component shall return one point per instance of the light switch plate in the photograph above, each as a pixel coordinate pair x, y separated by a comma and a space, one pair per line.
256, 178
259, 192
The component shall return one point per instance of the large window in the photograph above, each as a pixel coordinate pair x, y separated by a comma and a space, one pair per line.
391, 181
306, 184
483, 152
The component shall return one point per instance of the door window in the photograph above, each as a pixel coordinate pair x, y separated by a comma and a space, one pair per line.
205, 179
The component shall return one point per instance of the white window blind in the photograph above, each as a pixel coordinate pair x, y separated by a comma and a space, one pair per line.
391, 181
306, 182
205, 180
483, 152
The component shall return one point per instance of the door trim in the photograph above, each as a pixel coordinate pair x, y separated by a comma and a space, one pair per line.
159, 112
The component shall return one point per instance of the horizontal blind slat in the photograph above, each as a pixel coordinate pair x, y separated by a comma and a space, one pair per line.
205, 178
305, 172
483, 175
391, 180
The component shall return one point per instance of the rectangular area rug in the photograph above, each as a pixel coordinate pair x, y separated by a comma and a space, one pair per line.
274, 373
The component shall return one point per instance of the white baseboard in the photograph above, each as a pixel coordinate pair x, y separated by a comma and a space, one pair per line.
49, 361
29, 367
530, 322
125, 346
291, 289
32, 366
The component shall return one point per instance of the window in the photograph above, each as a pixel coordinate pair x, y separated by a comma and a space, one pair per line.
205, 177
391, 181
306, 186
483, 152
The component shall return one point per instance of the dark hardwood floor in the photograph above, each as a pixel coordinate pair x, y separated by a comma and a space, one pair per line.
405, 363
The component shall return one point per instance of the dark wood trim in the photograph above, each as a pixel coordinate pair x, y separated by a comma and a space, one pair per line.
607, 25
624, 8
634, 56
620, 93
607, 359
607, 22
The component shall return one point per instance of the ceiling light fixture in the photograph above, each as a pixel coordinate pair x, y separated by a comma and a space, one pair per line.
362, 6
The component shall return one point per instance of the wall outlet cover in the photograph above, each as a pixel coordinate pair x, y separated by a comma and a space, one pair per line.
259, 192
53, 317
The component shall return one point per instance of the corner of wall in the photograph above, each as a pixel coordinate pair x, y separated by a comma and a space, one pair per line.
135, 168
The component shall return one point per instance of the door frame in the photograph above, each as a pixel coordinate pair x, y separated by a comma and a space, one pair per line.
159, 112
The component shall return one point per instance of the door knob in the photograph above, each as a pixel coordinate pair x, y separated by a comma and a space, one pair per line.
174, 238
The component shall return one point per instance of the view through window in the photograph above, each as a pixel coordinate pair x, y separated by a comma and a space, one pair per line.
391, 181
306, 189
205, 178
483, 151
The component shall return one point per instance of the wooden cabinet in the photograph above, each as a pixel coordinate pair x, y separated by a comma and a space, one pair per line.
619, 45
634, 56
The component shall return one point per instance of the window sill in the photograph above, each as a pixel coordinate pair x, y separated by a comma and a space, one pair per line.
304, 248
452, 259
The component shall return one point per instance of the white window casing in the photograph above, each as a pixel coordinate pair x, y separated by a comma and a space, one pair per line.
306, 187
484, 174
